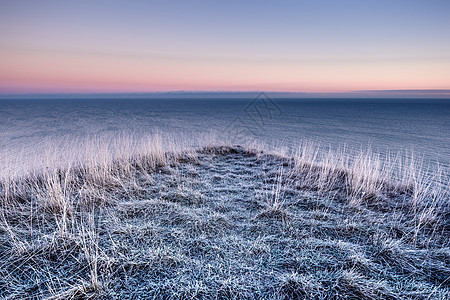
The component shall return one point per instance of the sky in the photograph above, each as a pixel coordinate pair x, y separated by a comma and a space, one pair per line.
155, 46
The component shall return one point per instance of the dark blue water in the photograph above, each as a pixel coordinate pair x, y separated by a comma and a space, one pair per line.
422, 126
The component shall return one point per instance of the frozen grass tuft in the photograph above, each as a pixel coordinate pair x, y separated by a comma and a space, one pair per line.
150, 219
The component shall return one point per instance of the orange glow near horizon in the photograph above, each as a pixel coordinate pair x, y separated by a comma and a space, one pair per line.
28, 71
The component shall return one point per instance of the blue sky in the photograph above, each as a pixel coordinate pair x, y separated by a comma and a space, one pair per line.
322, 46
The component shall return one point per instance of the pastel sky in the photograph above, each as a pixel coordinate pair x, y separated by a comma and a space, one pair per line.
144, 46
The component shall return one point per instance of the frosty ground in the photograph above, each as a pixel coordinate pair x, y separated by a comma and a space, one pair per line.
221, 222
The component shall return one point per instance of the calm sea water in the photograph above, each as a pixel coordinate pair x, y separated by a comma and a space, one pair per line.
27, 127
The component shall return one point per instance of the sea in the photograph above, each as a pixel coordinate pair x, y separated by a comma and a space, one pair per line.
28, 127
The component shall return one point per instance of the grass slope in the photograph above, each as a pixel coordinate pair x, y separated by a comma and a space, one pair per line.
222, 223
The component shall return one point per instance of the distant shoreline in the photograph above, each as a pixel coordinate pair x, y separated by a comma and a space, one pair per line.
369, 94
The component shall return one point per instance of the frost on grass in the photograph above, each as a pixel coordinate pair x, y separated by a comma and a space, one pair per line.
223, 223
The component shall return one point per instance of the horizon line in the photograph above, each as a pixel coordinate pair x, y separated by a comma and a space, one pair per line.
392, 93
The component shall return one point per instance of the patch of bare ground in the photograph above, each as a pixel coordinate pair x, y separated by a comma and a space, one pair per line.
220, 223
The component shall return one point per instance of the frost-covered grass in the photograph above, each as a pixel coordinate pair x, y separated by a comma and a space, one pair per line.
151, 221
